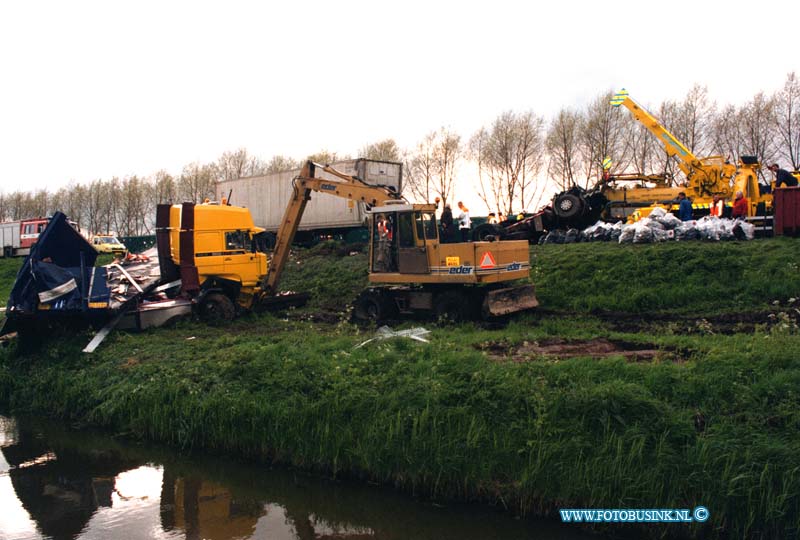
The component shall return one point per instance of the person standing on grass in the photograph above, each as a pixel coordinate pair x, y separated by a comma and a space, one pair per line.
684, 207
464, 223
739, 206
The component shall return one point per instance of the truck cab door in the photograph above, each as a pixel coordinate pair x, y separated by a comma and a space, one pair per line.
240, 261
208, 255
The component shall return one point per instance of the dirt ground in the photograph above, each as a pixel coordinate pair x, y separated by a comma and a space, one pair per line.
745, 322
562, 348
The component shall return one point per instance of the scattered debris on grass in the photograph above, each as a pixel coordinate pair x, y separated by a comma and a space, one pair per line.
384, 332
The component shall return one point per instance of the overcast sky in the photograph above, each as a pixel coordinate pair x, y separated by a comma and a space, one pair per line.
99, 89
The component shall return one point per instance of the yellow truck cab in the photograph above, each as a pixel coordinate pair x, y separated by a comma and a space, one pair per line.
225, 253
108, 243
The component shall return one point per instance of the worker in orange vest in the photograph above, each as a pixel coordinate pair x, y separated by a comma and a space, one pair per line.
716, 207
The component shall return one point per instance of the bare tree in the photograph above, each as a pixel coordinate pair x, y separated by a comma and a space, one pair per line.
787, 117
113, 198
163, 188
446, 155
509, 157
642, 148
757, 119
602, 135
70, 201
238, 164
665, 164
280, 164
561, 144
196, 182
727, 135
420, 168
431, 167
93, 203
326, 157
385, 150
20, 205
41, 203
134, 207
692, 120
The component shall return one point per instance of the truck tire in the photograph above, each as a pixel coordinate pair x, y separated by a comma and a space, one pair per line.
217, 308
373, 305
485, 230
567, 206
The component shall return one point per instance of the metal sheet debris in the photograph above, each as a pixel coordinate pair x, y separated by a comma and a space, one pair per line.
384, 332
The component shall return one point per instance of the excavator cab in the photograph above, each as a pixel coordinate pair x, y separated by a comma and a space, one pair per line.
401, 236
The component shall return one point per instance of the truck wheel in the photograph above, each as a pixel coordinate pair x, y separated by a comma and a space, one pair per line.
568, 206
453, 307
484, 230
217, 309
373, 306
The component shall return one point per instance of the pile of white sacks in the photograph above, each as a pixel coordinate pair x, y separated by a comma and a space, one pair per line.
659, 226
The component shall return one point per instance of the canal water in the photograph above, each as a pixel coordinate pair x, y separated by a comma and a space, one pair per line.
62, 484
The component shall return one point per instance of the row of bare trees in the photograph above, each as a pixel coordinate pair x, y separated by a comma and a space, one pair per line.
509, 163
767, 126
127, 205
520, 155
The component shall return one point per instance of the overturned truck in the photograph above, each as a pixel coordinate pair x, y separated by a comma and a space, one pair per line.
59, 285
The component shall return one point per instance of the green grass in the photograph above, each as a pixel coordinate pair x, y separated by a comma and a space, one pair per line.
8, 273
685, 277
445, 420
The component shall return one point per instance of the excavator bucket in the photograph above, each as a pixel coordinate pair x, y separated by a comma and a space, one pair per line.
509, 300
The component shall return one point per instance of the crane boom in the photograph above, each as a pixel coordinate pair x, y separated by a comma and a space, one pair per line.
707, 176
347, 187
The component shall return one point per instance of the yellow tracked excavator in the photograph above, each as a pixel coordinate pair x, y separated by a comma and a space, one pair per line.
410, 267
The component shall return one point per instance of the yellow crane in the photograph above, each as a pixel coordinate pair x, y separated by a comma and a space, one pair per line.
706, 177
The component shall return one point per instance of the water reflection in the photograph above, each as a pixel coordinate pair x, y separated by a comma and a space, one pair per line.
65, 485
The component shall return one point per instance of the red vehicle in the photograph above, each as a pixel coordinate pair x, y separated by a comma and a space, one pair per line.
30, 229
17, 237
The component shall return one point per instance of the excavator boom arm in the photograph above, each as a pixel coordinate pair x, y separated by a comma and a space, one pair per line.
347, 187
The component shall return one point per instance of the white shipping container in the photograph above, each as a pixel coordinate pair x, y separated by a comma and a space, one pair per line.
9, 236
267, 196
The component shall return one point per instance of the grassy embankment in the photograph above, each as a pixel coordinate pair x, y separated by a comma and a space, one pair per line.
712, 421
